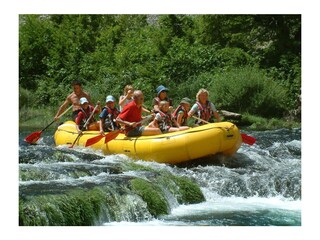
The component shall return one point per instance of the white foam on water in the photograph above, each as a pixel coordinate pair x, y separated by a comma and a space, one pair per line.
114, 158
81, 149
236, 204
153, 222
294, 143
222, 205
68, 180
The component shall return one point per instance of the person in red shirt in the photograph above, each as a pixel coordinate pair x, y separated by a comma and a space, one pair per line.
84, 114
131, 116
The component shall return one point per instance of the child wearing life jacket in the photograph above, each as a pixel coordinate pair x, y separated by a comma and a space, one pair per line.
165, 121
83, 115
161, 96
108, 116
181, 112
203, 108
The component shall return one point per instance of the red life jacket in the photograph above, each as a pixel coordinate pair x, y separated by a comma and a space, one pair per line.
109, 121
205, 111
114, 112
86, 113
185, 114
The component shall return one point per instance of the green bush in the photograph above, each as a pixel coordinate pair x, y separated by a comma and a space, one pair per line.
248, 90
233, 57
190, 87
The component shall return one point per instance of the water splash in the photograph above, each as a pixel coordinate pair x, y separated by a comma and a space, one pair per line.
260, 185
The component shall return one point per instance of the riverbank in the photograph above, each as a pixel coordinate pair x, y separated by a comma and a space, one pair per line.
41, 117
253, 122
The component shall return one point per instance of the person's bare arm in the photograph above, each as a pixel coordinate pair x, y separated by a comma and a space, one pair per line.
153, 124
98, 110
121, 100
101, 126
156, 108
175, 123
217, 116
191, 113
179, 118
130, 124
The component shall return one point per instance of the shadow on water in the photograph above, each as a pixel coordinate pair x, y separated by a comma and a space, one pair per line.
34, 153
238, 160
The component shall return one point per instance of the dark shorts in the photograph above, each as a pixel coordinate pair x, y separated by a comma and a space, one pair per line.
136, 132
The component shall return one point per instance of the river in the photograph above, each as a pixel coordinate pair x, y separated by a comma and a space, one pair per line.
259, 186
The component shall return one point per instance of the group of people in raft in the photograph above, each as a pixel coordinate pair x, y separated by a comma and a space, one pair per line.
129, 117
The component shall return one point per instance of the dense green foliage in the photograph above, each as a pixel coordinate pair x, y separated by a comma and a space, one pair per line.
249, 63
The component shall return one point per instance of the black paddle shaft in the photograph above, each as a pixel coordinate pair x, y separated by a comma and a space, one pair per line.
48, 125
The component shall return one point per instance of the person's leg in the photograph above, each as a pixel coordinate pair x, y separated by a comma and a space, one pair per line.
149, 131
175, 129
136, 132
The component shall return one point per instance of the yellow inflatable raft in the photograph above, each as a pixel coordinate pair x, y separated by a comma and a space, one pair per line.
172, 148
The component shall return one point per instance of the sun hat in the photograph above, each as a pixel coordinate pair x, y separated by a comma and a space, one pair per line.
83, 100
110, 99
161, 88
186, 100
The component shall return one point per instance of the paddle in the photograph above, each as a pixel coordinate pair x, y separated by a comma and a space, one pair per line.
34, 137
248, 139
108, 137
245, 138
93, 140
112, 135
84, 126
